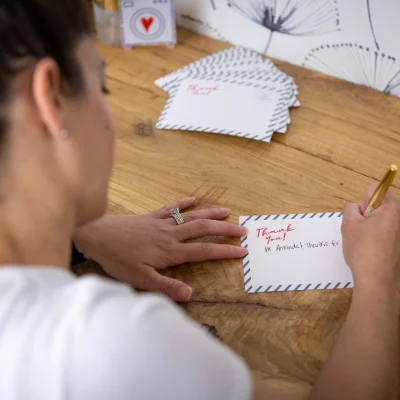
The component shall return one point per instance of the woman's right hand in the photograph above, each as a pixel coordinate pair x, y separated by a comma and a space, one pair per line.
364, 362
371, 246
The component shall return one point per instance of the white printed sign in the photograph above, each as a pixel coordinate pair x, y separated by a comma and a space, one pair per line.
148, 22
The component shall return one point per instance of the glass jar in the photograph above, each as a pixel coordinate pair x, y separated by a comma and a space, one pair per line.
108, 21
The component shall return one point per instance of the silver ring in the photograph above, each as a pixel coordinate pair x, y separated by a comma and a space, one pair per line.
177, 216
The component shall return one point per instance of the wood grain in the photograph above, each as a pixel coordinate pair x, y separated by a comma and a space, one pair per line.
341, 138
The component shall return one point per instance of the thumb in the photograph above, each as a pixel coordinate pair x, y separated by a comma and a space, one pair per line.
351, 217
352, 212
174, 289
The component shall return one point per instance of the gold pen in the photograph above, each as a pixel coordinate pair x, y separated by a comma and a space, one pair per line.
380, 192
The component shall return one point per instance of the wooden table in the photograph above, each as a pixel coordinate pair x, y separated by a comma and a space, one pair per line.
341, 138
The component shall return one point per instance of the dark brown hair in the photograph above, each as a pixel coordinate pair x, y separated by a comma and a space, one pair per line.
34, 29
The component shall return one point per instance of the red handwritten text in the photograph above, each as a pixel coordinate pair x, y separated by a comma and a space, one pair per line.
202, 90
274, 235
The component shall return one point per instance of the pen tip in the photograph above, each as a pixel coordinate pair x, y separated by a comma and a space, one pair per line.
394, 168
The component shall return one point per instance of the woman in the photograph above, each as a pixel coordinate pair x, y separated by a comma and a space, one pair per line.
89, 338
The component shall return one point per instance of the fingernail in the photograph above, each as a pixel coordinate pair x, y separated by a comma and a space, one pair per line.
243, 231
192, 198
241, 251
184, 293
225, 211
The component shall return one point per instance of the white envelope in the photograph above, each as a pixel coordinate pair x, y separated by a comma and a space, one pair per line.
294, 252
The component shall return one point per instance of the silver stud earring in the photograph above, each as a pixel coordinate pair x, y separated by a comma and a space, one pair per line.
64, 134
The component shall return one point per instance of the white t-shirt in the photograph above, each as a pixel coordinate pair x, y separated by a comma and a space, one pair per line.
89, 338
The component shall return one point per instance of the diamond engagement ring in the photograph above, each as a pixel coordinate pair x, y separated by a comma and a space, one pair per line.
177, 216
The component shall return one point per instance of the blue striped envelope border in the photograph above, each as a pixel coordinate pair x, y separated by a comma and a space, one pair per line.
249, 288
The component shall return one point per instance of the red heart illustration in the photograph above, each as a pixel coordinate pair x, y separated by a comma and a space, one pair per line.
147, 22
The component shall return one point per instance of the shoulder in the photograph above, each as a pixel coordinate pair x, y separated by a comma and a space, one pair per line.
143, 344
106, 341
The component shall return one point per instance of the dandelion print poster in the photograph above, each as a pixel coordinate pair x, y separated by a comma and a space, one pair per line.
355, 40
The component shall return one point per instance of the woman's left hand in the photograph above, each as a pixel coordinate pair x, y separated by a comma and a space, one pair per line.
133, 248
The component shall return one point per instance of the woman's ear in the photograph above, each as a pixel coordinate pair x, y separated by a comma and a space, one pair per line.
47, 96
